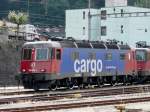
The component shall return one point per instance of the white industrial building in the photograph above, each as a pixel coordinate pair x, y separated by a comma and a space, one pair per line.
110, 3
127, 26
116, 20
77, 24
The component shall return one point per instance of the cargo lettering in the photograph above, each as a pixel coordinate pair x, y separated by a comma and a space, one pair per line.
92, 66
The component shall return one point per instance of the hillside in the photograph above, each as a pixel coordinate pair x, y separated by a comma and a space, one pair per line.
41, 12
52, 12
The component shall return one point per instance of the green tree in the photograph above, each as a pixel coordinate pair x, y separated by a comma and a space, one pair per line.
142, 3
18, 18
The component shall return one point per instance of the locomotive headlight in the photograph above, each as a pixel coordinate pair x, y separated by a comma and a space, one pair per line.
23, 70
43, 70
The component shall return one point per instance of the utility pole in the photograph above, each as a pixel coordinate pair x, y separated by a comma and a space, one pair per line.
89, 21
147, 4
46, 7
28, 10
89, 4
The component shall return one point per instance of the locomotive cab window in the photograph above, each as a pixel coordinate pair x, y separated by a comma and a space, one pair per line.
140, 55
42, 54
58, 54
27, 54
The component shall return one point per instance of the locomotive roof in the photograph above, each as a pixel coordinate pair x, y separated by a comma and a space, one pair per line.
42, 44
73, 44
147, 49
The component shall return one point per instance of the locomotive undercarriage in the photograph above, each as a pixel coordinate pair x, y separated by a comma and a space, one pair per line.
143, 77
49, 81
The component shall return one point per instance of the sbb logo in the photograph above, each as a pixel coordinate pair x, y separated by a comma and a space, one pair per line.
92, 66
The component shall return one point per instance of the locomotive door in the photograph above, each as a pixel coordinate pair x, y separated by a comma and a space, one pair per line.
130, 63
56, 60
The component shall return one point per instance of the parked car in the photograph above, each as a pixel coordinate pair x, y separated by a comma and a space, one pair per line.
27, 32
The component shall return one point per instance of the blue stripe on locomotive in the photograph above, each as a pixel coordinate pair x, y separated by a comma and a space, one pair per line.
67, 63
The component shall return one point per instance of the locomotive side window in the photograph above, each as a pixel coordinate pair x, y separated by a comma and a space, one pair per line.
148, 56
122, 56
42, 54
27, 54
108, 56
51, 53
75, 55
92, 56
133, 54
58, 54
140, 55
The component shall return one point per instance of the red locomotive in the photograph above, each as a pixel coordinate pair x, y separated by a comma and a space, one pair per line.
52, 64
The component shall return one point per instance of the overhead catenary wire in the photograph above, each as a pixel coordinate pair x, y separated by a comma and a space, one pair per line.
18, 1
47, 18
125, 14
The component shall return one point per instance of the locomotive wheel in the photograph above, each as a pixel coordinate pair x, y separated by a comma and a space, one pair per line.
36, 88
99, 83
53, 87
82, 86
113, 83
71, 86
130, 80
125, 81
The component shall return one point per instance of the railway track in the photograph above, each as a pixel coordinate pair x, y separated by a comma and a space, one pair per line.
73, 94
7, 93
76, 105
22, 92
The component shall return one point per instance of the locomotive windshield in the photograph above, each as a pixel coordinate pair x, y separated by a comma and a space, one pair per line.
27, 54
41, 54
140, 55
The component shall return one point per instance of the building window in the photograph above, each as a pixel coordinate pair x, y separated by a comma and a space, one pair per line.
114, 10
83, 30
121, 28
83, 14
108, 56
103, 30
145, 13
121, 12
137, 14
103, 14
